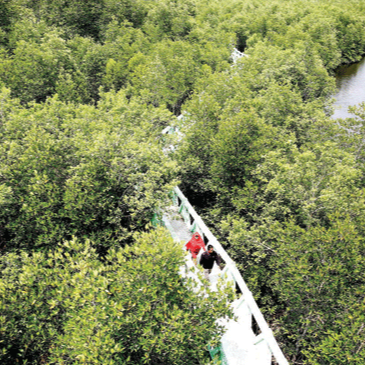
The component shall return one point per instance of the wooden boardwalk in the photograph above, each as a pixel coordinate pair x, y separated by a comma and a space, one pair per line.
240, 345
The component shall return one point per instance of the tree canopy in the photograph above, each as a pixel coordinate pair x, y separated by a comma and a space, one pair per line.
86, 89
132, 307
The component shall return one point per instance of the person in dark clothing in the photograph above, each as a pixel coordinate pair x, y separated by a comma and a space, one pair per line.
207, 260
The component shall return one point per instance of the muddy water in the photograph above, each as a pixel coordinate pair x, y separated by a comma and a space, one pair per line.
350, 82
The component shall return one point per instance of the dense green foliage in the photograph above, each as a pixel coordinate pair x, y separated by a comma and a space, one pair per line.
80, 170
131, 308
87, 87
283, 183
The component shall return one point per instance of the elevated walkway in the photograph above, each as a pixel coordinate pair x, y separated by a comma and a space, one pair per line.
236, 55
249, 340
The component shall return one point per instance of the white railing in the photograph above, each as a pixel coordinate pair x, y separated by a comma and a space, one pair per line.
236, 55
263, 349
265, 345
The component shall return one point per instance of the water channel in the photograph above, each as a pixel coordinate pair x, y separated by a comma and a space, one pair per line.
350, 81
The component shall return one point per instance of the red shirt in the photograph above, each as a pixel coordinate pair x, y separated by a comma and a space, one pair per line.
195, 244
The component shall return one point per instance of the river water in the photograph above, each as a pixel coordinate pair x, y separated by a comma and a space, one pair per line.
350, 81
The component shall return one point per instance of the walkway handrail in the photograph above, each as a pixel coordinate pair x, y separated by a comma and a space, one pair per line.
195, 223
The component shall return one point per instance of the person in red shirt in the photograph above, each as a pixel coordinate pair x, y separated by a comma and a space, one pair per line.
195, 245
